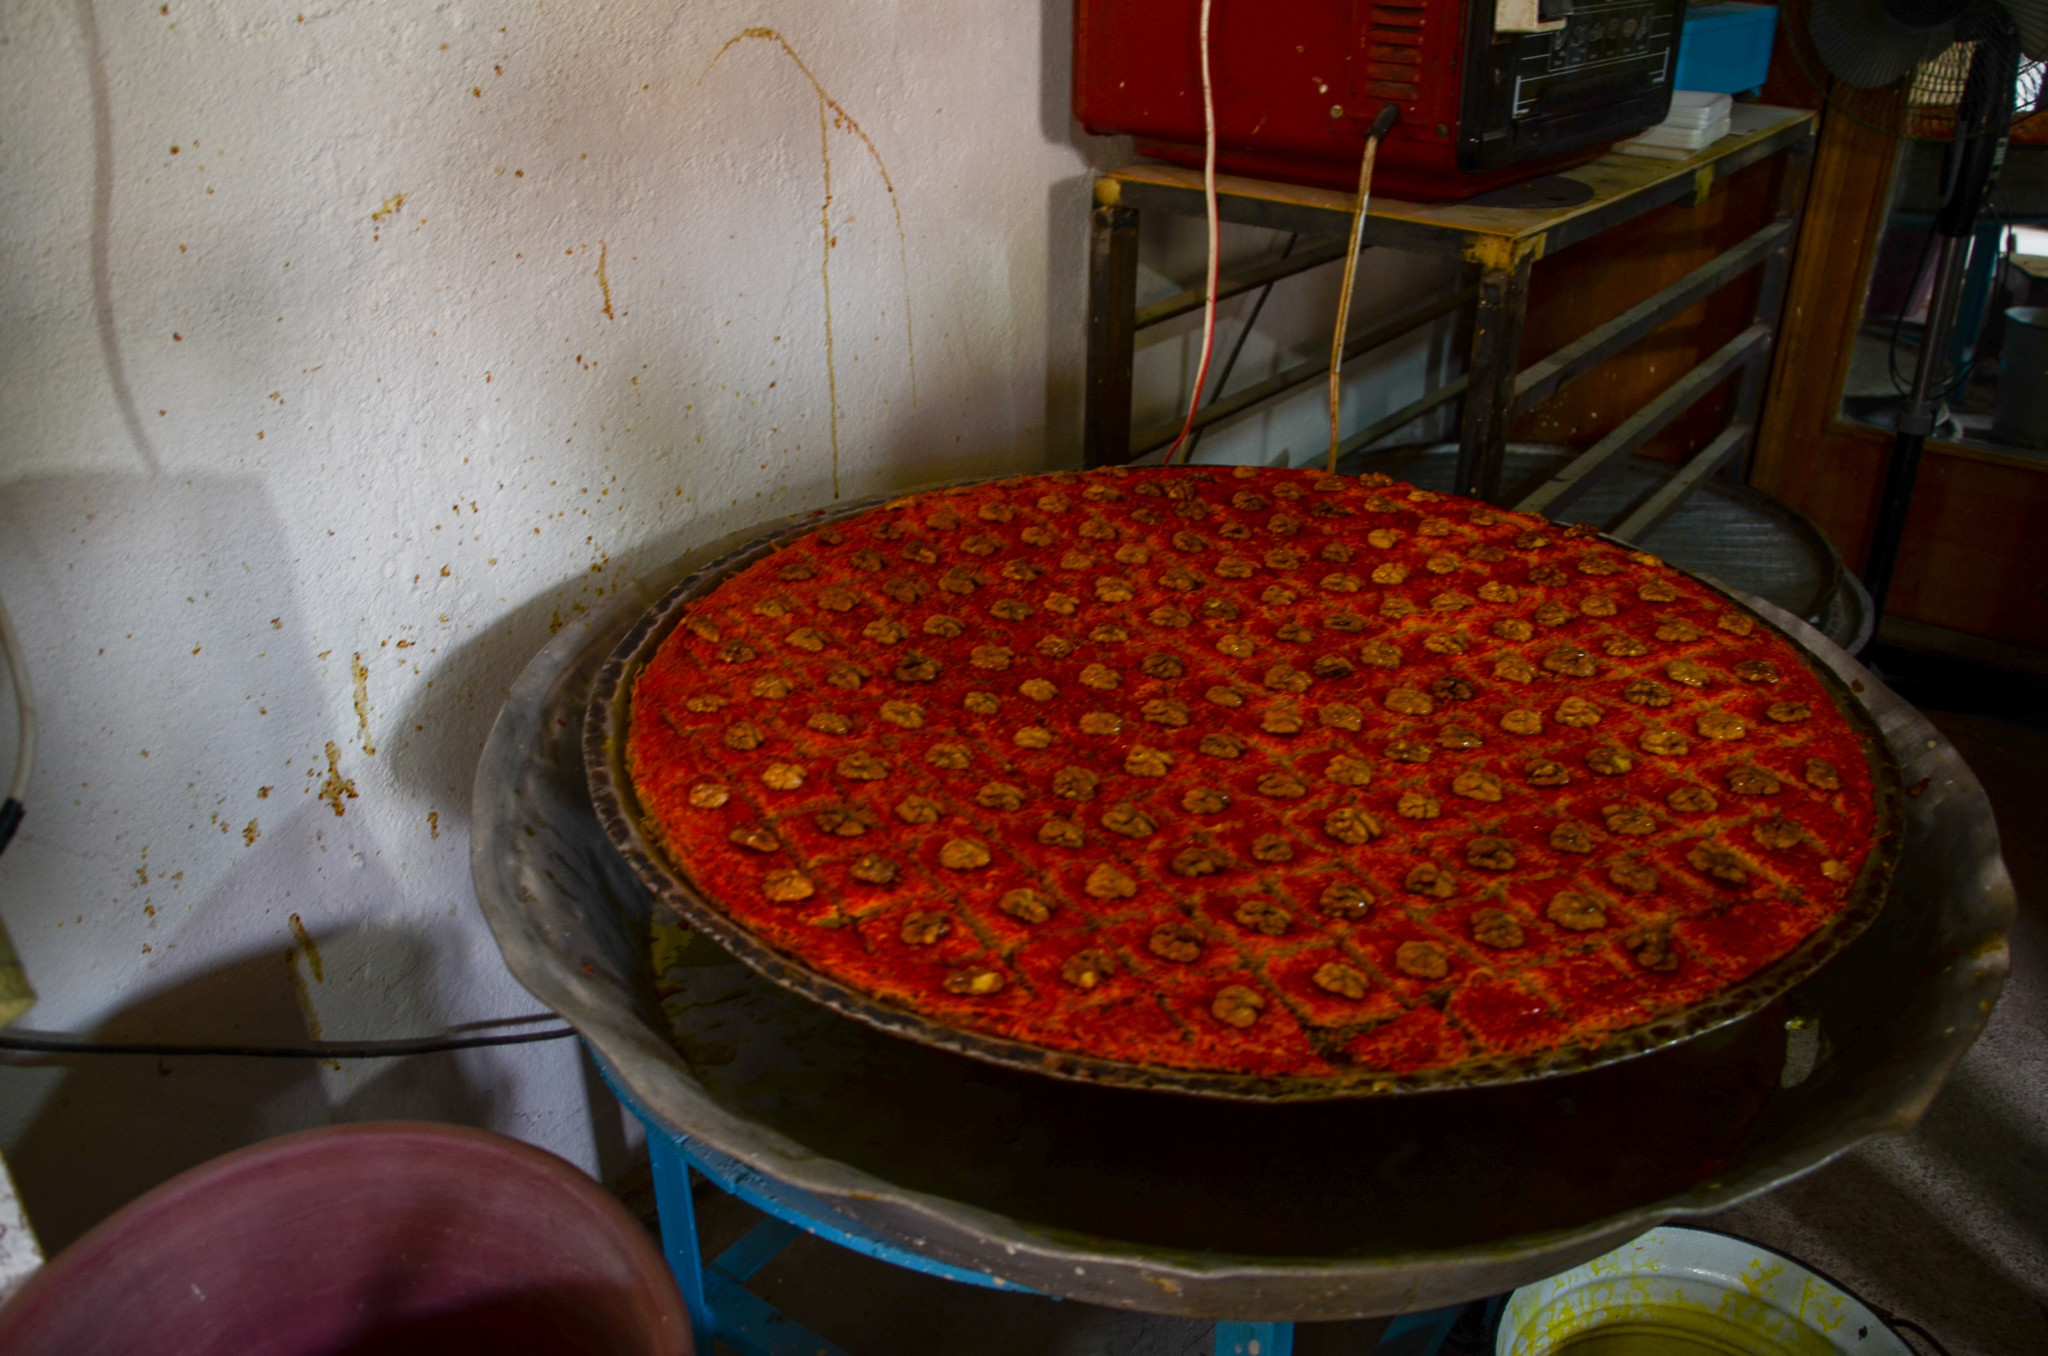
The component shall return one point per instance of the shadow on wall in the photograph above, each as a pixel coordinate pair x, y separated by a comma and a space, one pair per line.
444, 727
142, 568
164, 561
115, 1126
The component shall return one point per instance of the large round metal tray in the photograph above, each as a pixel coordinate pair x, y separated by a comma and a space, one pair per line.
1215, 1209
671, 880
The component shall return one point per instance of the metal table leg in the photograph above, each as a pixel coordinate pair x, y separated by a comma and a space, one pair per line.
1490, 389
1254, 1339
1112, 335
723, 1310
679, 1231
1770, 301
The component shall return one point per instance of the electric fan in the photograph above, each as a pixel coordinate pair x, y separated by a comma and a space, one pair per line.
1956, 61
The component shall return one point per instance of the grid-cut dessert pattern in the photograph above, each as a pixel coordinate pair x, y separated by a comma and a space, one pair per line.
1249, 771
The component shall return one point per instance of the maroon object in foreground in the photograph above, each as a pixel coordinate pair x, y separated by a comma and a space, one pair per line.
394, 1238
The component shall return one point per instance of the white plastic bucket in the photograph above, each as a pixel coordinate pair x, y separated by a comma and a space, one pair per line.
1685, 1292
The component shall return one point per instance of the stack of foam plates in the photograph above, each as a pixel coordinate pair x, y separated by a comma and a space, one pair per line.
1696, 121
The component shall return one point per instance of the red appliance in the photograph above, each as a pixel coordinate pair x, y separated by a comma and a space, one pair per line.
1490, 91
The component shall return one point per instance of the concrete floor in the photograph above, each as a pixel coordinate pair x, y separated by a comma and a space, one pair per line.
1946, 1226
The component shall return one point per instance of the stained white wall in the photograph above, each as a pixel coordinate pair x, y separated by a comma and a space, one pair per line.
346, 346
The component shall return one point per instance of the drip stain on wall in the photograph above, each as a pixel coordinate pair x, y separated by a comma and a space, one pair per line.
832, 114
304, 995
361, 673
383, 214
825, 277
305, 941
301, 992
336, 788
604, 283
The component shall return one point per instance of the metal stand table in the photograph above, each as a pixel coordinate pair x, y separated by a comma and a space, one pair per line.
722, 1309
1498, 245
922, 1148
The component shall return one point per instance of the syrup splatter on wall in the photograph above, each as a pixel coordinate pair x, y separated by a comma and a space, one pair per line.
350, 352
832, 116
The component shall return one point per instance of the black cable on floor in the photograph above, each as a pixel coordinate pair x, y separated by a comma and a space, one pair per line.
52, 1043
1908, 1325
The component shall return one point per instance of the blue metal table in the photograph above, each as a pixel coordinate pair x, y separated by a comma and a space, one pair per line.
722, 1309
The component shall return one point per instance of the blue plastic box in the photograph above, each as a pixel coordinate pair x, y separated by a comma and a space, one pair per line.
1726, 48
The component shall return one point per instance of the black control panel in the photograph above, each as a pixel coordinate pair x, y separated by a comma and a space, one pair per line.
1605, 74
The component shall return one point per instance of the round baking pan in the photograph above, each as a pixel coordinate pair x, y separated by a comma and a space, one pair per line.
672, 881
1212, 1208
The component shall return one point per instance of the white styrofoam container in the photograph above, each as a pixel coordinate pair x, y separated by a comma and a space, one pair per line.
1682, 140
1696, 108
1696, 121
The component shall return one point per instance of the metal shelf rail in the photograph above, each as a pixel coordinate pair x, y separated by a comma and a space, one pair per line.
1498, 244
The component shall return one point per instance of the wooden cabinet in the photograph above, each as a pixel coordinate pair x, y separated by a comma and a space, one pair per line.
1975, 554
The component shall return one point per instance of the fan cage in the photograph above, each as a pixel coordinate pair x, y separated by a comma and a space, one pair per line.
1935, 88
1922, 106
1938, 84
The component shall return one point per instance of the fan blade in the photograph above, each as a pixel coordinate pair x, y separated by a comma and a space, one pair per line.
2030, 17
1862, 45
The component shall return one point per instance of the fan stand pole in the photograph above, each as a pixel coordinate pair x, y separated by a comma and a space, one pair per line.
1970, 167
1916, 420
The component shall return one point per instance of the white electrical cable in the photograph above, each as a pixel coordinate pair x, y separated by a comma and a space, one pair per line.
24, 705
1209, 198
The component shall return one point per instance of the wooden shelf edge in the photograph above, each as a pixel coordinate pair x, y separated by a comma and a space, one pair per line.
1990, 456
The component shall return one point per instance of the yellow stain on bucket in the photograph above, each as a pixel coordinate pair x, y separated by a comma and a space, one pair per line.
1758, 1272
1631, 1309
1821, 1305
